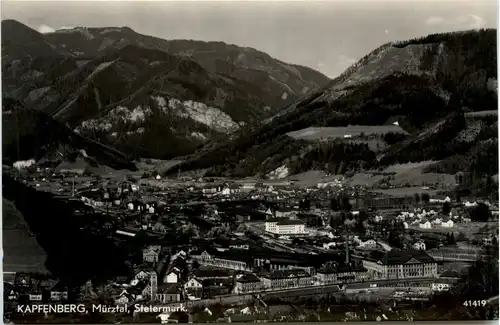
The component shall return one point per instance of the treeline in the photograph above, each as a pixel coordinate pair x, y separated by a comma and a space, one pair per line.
480, 160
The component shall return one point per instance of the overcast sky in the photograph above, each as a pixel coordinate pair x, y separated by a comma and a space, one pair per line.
327, 36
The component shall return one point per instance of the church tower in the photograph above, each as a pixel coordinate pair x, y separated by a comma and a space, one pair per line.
153, 281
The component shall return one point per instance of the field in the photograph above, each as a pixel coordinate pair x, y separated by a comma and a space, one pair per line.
21, 251
482, 113
406, 175
312, 178
317, 133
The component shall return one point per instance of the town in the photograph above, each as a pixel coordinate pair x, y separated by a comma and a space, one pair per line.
253, 250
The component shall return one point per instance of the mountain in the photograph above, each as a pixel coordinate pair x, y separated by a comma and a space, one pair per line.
146, 96
430, 86
31, 134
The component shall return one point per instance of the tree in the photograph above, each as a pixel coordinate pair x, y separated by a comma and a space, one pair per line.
446, 208
480, 212
450, 239
346, 205
334, 204
305, 204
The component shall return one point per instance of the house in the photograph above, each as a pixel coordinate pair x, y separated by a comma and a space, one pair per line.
124, 298
151, 254
400, 264
10, 293
425, 225
59, 292
419, 245
22, 281
247, 283
193, 284
172, 276
141, 275
447, 224
35, 295
168, 293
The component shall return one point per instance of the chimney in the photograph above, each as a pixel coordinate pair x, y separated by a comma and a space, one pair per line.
347, 247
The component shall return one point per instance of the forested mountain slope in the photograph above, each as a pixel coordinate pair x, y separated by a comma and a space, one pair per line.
426, 85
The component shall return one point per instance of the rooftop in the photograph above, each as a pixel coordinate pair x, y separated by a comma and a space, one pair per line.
289, 222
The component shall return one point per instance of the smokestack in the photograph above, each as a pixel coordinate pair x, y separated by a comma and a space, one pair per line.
347, 246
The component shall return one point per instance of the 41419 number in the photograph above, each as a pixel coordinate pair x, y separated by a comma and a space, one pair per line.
475, 303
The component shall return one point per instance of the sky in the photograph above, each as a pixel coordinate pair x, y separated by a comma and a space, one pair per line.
327, 36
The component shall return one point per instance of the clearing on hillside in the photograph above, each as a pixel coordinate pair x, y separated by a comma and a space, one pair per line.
351, 131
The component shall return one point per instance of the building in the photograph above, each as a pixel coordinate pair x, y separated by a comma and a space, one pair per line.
59, 292
167, 293
370, 243
172, 276
283, 226
285, 279
151, 254
193, 284
400, 265
235, 262
211, 189
333, 275
454, 253
248, 283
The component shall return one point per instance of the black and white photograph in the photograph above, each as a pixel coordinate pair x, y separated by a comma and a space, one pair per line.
249, 161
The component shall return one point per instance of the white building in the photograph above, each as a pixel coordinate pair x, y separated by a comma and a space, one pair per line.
425, 225
172, 277
402, 265
285, 226
447, 224
370, 243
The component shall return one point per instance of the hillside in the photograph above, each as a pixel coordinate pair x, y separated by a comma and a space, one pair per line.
30, 134
128, 90
426, 85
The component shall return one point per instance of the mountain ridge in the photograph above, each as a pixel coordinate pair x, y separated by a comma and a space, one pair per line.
86, 75
420, 83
